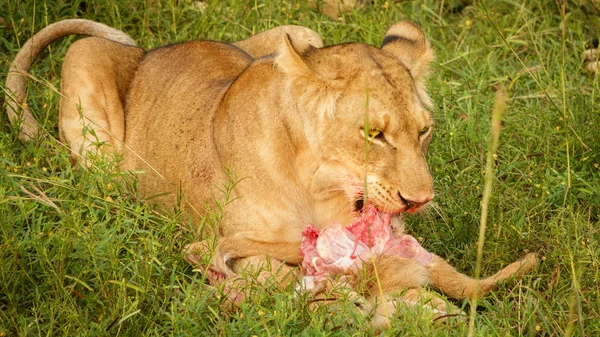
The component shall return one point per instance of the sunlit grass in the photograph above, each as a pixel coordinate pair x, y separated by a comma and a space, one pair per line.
80, 254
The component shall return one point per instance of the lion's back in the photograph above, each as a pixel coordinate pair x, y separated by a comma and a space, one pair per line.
169, 111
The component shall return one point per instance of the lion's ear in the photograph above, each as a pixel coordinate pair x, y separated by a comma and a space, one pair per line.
289, 61
408, 43
315, 92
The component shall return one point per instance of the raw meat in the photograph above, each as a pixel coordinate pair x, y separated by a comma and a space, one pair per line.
337, 249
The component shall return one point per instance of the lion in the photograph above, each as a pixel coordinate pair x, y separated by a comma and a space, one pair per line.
313, 133
591, 58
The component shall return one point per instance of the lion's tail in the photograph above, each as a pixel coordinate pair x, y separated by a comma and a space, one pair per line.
16, 81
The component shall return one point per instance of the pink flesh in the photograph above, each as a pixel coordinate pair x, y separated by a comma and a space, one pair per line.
336, 249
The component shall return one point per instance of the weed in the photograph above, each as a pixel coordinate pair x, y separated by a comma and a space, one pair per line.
81, 254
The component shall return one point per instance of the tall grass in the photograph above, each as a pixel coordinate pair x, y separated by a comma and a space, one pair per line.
80, 254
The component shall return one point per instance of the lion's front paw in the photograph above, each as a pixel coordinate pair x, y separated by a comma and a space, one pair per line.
213, 265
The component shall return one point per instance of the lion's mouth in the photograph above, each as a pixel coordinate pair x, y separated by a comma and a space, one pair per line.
359, 204
360, 207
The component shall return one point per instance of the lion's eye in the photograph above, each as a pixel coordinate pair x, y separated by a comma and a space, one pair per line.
424, 131
377, 135
373, 133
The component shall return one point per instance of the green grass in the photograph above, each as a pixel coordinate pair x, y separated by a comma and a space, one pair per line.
80, 254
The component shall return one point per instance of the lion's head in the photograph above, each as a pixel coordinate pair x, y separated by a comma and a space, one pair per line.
362, 104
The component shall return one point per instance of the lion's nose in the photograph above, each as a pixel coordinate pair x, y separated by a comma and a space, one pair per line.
414, 204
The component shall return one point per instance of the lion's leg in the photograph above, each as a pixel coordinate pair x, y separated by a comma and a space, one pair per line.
269, 42
454, 284
238, 275
231, 257
382, 308
95, 79
236, 248
256, 273
394, 273
400, 281
263, 269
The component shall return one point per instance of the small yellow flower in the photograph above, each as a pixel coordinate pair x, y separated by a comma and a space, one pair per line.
44, 169
538, 328
108, 198
261, 313
468, 23
544, 258
420, 239
557, 128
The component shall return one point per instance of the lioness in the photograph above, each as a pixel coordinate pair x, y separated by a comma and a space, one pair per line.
311, 131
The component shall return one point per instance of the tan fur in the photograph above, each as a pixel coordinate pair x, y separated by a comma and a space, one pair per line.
335, 8
591, 60
269, 41
16, 79
94, 86
401, 283
382, 286
290, 127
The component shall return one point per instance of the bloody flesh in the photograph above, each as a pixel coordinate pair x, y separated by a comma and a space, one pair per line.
336, 249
